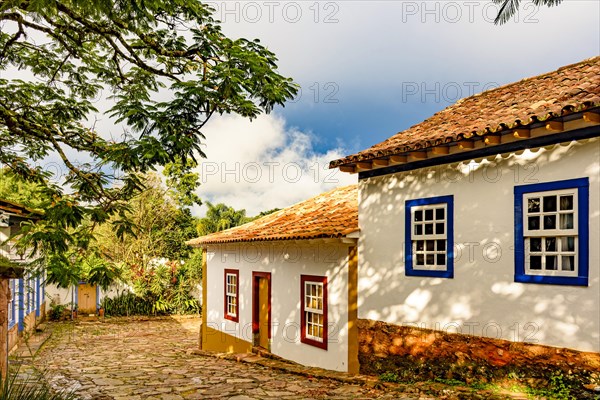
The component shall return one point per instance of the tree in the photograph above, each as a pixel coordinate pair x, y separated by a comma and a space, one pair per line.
160, 229
220, 217
508, 8
167, 68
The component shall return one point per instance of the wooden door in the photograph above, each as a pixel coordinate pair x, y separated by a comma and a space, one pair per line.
86, 299
261, 310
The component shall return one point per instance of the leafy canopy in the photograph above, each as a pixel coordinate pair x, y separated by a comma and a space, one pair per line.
165, 67
220, 217
161, 229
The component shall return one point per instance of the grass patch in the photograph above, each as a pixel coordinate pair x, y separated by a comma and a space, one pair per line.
14, 388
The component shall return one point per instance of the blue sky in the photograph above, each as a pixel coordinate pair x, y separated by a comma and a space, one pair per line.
369, 69
369, 51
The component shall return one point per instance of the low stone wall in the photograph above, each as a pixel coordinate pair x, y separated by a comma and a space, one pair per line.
415, 353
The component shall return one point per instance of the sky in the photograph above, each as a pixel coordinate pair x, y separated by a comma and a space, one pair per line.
367, 70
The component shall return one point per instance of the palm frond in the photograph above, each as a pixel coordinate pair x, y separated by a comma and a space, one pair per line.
507, 10
547, 3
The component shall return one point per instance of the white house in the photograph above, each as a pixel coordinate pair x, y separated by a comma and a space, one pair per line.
286, 283
484, 219
27, 305
481, 222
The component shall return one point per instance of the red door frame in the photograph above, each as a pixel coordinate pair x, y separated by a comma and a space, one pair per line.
256, 276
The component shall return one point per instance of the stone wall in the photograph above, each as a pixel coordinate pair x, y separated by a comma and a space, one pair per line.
415, 353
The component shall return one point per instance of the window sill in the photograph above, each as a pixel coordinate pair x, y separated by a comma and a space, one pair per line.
553, 280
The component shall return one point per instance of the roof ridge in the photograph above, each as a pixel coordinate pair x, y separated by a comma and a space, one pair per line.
310, 218
570, 88
507, 85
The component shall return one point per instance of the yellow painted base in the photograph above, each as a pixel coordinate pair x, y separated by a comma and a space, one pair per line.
215, 340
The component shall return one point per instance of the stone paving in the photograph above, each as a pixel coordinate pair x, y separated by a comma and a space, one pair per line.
158, 359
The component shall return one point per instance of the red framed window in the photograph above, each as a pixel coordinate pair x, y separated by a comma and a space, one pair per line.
313, 320
232, 294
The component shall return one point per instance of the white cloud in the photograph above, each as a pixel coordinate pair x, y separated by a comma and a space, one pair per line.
262, 164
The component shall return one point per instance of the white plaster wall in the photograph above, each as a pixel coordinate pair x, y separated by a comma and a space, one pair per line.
286, 262
59, 295
63, 296
483, 298
4, 233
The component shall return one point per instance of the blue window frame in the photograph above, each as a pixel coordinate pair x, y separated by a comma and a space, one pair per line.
429, 230
552, 232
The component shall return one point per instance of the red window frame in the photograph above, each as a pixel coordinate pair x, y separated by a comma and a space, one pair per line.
236, 317
303, 338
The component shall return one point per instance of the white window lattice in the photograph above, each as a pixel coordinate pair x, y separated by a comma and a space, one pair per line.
231, 294
429, 236
550, 232
313, 309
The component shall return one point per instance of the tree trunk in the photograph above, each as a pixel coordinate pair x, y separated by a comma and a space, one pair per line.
4, 297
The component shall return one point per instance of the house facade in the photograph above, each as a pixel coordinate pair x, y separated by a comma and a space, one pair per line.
26, 305
286, 283
484, 220
478, 244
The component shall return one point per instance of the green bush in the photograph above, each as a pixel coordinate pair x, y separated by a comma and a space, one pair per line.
56, 311
126, 304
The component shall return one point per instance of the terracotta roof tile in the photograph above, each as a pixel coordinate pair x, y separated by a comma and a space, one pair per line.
572, 88
18, 209
329, 215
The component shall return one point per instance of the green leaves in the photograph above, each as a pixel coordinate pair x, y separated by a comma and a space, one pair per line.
164, 65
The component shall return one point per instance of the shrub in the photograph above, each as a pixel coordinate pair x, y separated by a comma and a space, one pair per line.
56, 311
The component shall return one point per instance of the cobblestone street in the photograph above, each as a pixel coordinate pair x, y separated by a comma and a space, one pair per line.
154, 359
158, 358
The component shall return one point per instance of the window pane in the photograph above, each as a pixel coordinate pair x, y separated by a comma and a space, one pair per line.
439, 229
566, 221
418, 229
420, 259
549, 203
429, 215
550, 244
533, 223
566, 202
550, 222
430, 259
429, 229
533, 205
419, 215
535, 244
568, 263
535, 262
441, 245
441, 259
551, 262
430, 245
439, 213
567, 243
420, 245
